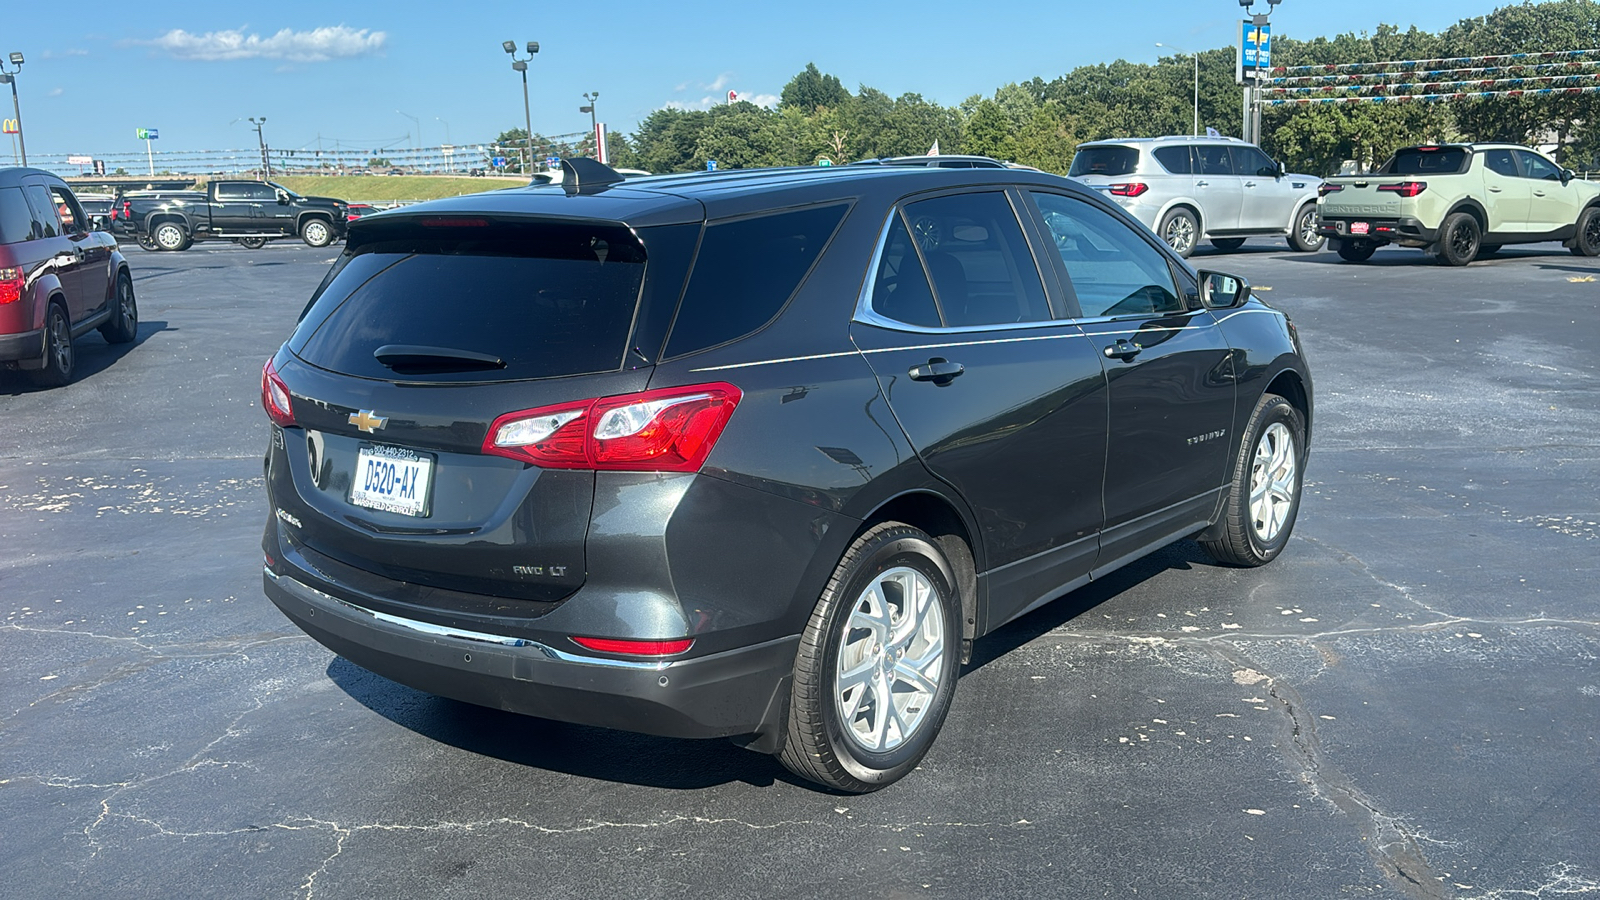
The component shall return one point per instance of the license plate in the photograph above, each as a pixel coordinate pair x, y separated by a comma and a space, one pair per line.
1360, 227
392, 479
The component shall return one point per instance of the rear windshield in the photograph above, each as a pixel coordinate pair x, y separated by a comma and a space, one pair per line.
1426, 161
16, 220
1105, 161
475, 301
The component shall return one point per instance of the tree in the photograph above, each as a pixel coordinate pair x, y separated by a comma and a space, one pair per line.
811, 90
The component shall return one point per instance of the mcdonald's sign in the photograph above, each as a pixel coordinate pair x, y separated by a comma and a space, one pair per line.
10, 126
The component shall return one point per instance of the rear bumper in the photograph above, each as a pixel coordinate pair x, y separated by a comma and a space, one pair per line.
736, 692
1380, 229
27, 347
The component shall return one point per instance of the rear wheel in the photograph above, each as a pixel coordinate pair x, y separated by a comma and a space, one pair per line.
60, 357
145, 241
1227, 245
1459, 239
170, 236
1356, 251
124, 324
1305, 237
1265, 493
1587, 241
253, 243
316, 233
1181, 230
877, 664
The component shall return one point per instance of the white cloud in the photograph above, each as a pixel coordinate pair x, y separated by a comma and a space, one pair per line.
316, 45
767, 100
56, 92
721, 82
706, 102
58, 54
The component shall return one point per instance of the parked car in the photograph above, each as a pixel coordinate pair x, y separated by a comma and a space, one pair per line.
758, 454
59, 278
356, 210
247, 212
1460, 202
97, 207
1187, 188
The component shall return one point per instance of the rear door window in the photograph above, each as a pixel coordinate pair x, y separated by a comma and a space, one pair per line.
67, 208
1112, 270
745, 273
1110, 161
16, 219
478, 302
1213, 159
1174, 159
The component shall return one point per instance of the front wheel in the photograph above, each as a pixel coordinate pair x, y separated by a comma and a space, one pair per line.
1459, 240
1356, 251
1181, 230
877, 664
1587, 241
170, 236
1264, 496
316, 233
145, 241
1307, 237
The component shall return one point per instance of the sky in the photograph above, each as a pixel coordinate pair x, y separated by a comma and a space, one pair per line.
375, 75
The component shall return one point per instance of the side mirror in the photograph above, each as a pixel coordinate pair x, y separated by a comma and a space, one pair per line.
1222, 291
1567, 175
283, 199
1280, 171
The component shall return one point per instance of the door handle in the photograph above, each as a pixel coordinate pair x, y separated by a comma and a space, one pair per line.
938, 370
1538, 193
1494, 190
1202, 184
1123, 349
1249, 184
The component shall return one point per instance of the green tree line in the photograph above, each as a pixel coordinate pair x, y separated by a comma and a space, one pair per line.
1040, 123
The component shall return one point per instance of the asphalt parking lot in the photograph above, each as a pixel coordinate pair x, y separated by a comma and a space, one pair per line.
1405, 705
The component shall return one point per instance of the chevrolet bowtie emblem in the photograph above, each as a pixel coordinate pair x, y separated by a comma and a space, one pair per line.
366, 421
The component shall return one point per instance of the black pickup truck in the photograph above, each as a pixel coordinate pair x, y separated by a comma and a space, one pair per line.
248, 212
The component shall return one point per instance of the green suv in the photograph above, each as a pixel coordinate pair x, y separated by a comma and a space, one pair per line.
1460, 202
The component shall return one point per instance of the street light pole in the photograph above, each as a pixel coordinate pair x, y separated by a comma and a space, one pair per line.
594, 120
1196, 82
521, 65
16, 108
261, 141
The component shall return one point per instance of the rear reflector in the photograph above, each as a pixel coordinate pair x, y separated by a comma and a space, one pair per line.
1327, 189
667, 430
275, 396
1405, 188
10, 285
635, 648
1130, 189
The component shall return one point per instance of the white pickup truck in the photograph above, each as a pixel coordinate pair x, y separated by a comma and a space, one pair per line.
1460, 202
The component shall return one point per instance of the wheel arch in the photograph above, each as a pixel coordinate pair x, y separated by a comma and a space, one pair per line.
1189, 205
948, 526
162, 217
309, 214
1471, 207
1289, 385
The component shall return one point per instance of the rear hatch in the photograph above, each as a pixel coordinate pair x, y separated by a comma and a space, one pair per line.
426, 332
1362, 203
1101, 165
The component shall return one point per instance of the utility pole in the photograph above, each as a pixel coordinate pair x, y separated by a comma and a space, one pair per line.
16, 108
521, 65
266, 162
1196, 82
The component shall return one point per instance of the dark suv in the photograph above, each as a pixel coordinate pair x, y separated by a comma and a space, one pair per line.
59, 278
757, 454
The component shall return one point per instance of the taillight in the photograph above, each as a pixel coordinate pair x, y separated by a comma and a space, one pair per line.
1130, 189
635, 648
127, 209
1405, 188
1326, 189
667, 430
275, 396
10, 285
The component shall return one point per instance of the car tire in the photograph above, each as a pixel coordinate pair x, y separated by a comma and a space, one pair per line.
1181, 230
895, 666
124, 324
170, 236
1227, 245
1587, 241
1305, 237
1459, 240
60, 356
1356, 251
253, 243
316, 233
145, 241
1264, 494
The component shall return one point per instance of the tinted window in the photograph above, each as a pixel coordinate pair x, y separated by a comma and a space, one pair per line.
260, 192
1104, 161
745, 272
230, 191
1213, 159
900, 289
1113, 271
982, 270
1435, 161
1536, 166
545, 299
16, 220
1500, 161
1250, 161
44, 212
1174, 159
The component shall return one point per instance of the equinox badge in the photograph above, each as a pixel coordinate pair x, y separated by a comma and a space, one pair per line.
367, 421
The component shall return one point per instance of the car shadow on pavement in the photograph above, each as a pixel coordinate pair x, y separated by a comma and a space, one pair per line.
94, 356
580, 750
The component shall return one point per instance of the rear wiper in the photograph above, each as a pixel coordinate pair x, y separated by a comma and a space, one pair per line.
434, 359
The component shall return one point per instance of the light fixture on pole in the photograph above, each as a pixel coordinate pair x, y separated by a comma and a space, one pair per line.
521, 65
1196, 81
266, 162
16, 108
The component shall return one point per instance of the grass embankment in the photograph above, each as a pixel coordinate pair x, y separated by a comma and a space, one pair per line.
385, 188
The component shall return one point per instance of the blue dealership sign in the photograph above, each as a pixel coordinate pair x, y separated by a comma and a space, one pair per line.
1255, 45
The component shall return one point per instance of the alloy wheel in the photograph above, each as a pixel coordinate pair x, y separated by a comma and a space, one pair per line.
60, 341
1462, 241
1180, 234
890, 659
1308, 227
1272, 482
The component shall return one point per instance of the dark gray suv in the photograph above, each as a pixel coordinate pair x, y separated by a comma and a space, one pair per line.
757, 454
